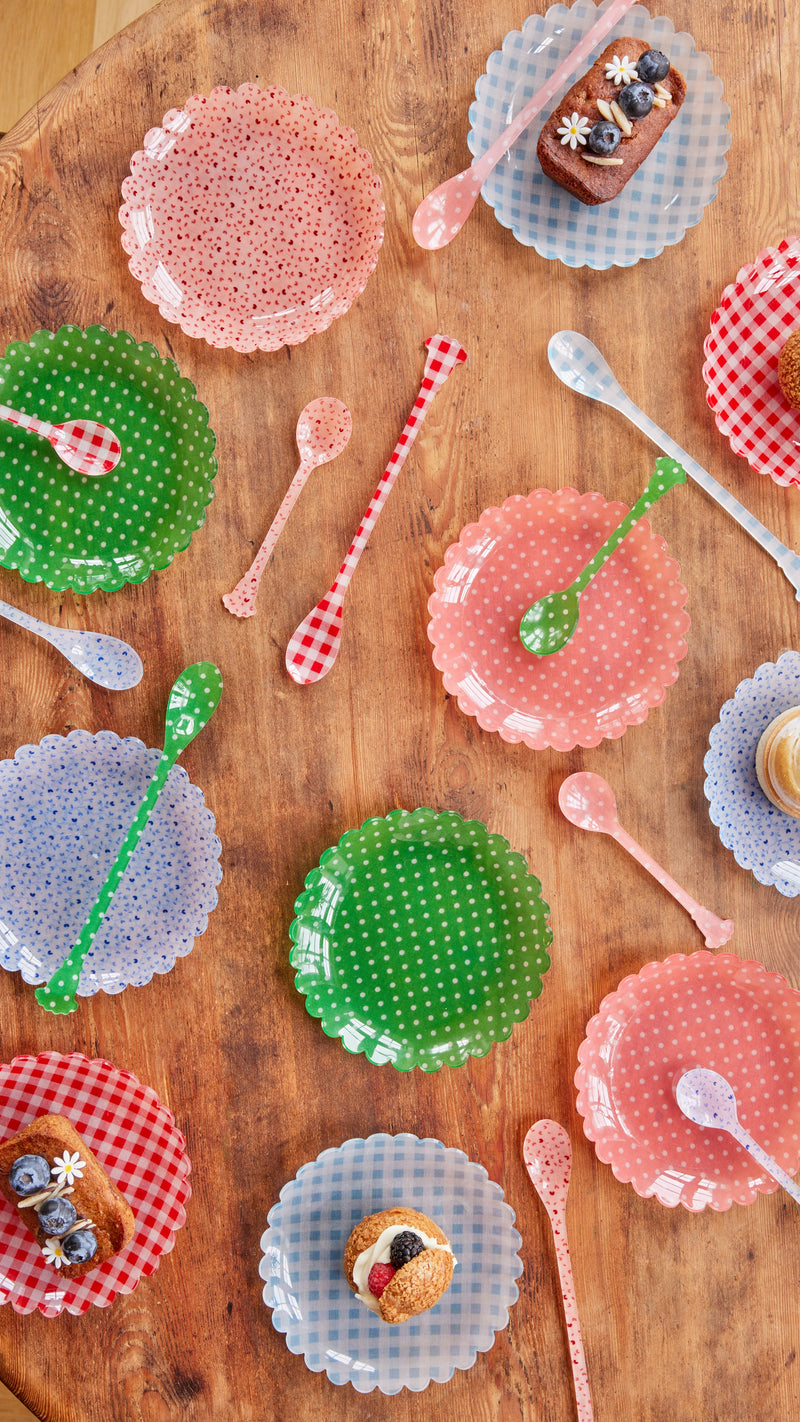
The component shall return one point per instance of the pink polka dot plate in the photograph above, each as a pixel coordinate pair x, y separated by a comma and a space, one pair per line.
705, 1010
135, 1139
251, 218
748, 329
624, 654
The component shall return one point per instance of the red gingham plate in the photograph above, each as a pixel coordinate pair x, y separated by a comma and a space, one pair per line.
755, 316
135, 1140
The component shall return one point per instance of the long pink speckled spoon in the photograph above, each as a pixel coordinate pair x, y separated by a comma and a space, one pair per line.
547, 1152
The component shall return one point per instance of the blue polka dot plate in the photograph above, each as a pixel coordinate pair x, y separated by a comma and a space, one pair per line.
420, 940
65, 807
759, 834
665, 196
303, 1250
71, 530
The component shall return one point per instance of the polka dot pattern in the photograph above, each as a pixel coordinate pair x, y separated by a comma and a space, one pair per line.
704, 1010
420, 940
623, 655
251, 218
73, 531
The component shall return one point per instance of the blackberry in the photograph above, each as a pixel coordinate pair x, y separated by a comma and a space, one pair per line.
405, 1246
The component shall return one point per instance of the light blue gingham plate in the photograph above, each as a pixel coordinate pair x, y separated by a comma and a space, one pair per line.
757, 832
663, 198
304, 1250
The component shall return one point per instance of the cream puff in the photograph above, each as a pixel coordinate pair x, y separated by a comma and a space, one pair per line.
789, 369
778, 762
398, 1263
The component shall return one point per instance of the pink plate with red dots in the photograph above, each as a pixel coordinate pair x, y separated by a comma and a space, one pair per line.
748, 329
252, 219
625, 652
705, 1010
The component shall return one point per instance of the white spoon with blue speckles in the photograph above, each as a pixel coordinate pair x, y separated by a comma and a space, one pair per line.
709, 1100
104, 660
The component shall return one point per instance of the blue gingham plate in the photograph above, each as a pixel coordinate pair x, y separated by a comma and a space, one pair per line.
304, 1250
757, 832
663, 198
65, 808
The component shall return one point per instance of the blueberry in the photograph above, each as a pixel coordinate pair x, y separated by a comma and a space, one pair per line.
652, 66
80, 1247
405, 1246
57, 1215
604, 138
29, 1174
636, 100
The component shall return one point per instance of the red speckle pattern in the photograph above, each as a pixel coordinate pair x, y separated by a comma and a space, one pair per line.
251, 218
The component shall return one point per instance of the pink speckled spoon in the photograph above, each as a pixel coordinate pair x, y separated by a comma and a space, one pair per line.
323, 430
547, 1152
587, 801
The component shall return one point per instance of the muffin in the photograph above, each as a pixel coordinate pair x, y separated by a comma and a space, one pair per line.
398, 1263
778, 762
789, 369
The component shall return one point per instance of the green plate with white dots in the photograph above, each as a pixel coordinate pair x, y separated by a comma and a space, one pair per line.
420, 940
76, 531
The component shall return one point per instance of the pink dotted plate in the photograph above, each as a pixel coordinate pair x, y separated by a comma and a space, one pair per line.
704, 1010
748, 329
251, 218
629, 640
134, 1138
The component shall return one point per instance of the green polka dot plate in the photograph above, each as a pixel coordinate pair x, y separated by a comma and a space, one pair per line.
420, 940
71, 530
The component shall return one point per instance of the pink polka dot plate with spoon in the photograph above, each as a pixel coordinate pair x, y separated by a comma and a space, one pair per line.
714, 1011
623, 654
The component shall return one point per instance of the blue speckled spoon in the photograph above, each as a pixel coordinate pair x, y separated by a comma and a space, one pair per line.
104, 660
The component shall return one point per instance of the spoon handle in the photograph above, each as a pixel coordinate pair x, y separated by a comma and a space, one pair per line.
667, 475
771, 1166
716, 930
787, 561
242, 601
26, 422
577, 1356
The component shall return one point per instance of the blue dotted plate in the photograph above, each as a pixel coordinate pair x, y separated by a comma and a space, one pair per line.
420, 940
757, 832
65, 807
303, 1252
662, 199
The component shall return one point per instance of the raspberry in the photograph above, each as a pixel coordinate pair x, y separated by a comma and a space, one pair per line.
379, 1276
405, 1246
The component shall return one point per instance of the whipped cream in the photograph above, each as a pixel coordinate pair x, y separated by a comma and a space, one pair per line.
378, 1253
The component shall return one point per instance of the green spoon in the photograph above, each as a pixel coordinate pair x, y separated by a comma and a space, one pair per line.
192, 702
550, 622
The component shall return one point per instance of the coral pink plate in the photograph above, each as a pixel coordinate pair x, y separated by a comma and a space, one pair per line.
135, 1140
251, 218
704, 1010
755, 316
630, 636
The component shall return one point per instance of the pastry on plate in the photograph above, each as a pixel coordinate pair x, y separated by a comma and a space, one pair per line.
789, 368
778, 761
398, 1263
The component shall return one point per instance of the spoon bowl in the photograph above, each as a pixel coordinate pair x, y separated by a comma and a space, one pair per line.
105, 660
85, 446
709, 1100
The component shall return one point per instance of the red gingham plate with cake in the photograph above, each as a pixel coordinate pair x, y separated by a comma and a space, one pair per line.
755, 316
135, 1140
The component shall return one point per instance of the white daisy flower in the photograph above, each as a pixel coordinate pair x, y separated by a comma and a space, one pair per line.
53, 1253
68, 1168
573, 130
621, 71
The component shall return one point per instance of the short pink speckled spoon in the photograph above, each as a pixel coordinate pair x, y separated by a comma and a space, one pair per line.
547, 1152
323, 430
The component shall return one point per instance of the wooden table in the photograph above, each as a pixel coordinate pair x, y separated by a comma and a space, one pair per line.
685, 1317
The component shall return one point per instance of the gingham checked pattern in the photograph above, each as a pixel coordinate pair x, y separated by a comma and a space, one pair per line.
309, 1295
85, 445
314, 645
134, 1138
755, 315
668, 193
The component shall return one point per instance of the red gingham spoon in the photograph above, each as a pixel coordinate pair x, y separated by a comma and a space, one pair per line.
83, 445
547, 1152
314, 645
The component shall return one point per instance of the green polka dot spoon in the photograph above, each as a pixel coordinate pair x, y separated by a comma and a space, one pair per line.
550, 623
192, 702
83, 445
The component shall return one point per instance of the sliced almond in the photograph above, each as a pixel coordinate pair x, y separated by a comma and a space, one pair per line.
605, 110
659, 103
663, 93
620, 119
603, 162
52, 1192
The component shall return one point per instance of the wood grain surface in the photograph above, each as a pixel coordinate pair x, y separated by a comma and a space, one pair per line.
685, 1318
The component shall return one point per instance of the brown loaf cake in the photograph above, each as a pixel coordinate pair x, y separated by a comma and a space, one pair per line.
94, 1195
420, 1283
594, 183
